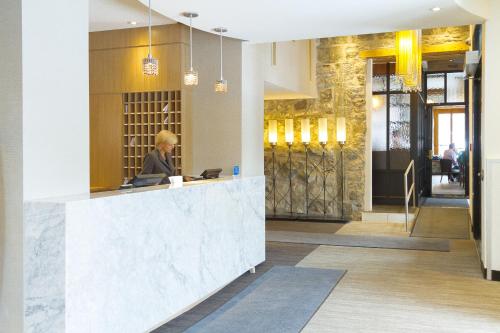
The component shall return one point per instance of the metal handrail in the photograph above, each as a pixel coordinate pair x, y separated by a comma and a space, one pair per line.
408, 193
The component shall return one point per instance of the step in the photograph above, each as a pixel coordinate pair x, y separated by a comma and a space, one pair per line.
388, 217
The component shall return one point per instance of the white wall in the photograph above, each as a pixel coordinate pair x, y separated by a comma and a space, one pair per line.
490, 139
216, 118
252, 110
55, 98
294, 73
44, 143
11, 195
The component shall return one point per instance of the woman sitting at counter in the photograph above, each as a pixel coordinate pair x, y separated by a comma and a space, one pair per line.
160, 159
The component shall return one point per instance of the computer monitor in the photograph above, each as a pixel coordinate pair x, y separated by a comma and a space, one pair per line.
147, 180
211, 173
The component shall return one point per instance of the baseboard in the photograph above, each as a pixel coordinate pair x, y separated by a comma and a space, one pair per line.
495, 275
483, 270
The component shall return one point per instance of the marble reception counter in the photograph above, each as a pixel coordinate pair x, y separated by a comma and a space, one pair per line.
128, 262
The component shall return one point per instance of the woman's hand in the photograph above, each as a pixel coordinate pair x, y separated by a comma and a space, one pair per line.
187, 179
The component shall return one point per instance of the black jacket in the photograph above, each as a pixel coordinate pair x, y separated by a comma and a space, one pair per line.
153, 164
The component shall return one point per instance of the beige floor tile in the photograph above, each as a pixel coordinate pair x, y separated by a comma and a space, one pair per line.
388, 290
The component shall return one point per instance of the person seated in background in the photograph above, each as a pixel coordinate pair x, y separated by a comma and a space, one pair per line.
159, 160
451, 154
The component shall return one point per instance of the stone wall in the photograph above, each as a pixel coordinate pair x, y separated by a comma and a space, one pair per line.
341, 89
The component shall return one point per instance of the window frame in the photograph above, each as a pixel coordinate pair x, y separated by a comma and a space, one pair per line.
445, 88
436, 112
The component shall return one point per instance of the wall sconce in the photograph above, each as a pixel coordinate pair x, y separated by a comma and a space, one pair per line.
273, 132
323, 131
289, 135
341, 131
305, 130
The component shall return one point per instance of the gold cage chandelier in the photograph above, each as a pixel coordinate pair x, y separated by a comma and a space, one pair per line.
409, 59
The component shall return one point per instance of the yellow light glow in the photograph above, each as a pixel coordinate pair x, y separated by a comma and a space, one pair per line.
305, 130
323, 130
341, 130
273, 131
289, 135
409, 59
376, 102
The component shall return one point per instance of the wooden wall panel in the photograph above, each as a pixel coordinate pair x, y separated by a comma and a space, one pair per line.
105, 141
120, 70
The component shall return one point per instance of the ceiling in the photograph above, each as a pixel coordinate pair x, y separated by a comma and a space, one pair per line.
115, 14
282, 20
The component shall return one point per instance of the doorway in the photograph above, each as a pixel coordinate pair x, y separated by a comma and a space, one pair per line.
446, 96
449, 151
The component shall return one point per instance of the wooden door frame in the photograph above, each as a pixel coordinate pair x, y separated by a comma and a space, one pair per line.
436, 111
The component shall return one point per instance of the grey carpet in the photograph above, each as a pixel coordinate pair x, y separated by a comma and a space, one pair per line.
276, 254
405, 243
281, 300
435, 222
445, 202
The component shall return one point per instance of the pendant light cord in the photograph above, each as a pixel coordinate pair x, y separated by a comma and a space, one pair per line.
191, 40
221, 77
149, 2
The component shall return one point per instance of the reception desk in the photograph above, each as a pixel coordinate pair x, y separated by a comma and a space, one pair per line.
130, 261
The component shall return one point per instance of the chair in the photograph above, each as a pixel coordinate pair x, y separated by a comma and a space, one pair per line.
446, 169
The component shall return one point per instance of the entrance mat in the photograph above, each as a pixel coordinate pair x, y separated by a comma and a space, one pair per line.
384, 242
446, 202
437, 222
282, 300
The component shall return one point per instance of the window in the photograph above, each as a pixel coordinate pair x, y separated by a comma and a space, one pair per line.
390, 120
445, 88
449, 127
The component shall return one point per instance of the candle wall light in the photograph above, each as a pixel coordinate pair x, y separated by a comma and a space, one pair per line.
323, 140
272, 129
289, 135
289, 138
324, 136
341, 139
341, 130
305, 129
323, 131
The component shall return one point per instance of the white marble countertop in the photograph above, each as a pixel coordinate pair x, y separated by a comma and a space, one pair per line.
97, 195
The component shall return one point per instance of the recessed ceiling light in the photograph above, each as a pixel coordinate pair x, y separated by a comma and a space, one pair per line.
436, 9
132, 22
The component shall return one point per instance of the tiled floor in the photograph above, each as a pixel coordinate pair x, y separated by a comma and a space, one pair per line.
406, 291
444, 188
384, 290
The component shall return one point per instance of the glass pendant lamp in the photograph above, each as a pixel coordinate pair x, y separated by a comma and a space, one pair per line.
221, 84
191, 75
150, 64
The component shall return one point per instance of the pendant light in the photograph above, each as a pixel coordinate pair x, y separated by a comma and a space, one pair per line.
150, 64
191, 75
409, 59
221, 84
